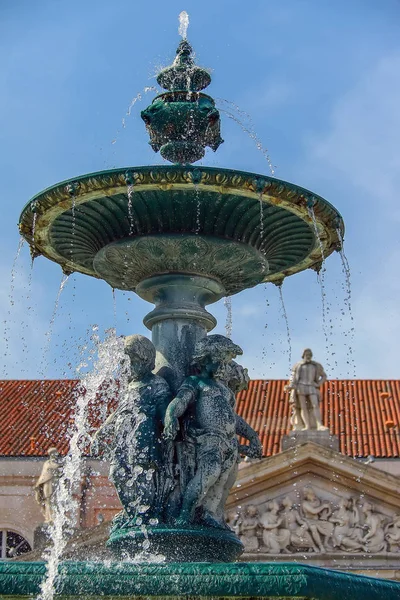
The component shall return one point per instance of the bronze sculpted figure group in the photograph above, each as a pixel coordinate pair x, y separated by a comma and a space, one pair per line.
174, 459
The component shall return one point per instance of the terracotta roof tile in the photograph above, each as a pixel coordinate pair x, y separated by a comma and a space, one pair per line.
35, 415
359, 412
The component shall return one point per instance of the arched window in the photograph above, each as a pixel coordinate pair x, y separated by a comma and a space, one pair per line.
12, 544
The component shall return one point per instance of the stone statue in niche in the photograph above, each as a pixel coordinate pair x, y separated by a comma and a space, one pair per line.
306, 379
315, 514
46, 485
139, 470
392, 534
347, 534
203, 415
248, 529
374, 539
276, 538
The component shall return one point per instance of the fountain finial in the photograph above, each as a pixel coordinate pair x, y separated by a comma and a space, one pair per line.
184, 74
182, 121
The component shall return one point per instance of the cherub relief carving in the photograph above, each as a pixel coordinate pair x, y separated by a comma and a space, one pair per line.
317, 526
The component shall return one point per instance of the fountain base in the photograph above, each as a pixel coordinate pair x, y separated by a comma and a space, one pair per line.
77, 580
190, 544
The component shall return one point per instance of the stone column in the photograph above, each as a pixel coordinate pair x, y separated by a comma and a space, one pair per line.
179, 319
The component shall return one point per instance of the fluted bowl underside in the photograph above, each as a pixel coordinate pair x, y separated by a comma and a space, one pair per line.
72, 223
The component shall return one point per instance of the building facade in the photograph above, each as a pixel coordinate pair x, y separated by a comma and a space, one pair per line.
333, 503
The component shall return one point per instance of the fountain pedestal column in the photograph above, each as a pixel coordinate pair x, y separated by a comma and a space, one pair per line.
179, 319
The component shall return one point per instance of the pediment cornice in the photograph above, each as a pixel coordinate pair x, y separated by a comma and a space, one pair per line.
320, 463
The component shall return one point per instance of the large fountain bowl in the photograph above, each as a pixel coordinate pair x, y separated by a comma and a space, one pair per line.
126, 225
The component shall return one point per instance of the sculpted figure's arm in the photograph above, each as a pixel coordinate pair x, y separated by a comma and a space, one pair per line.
265, 525
103, 431
315, 510
321, 376
244, 429
176, 408
373, 525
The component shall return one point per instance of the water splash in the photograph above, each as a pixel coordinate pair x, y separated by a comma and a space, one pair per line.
253, 136
228, 322
49, 332
183, 24
110, 375
285, 318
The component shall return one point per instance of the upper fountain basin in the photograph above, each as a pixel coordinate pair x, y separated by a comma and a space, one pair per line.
126, 225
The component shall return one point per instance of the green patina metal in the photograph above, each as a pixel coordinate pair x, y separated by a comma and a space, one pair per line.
188, 543
268, 219
202, 580
182, 122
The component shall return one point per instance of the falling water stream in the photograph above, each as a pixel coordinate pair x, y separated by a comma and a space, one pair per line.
49, 332
110, 375
228, 321
253, 136
321, 282
261, 217
285, 318
198, 208
130, 208
12, 299
347, 298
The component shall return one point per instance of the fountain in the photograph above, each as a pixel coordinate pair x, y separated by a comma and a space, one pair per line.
181, 237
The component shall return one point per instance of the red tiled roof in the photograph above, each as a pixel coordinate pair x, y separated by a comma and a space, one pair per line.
364, 414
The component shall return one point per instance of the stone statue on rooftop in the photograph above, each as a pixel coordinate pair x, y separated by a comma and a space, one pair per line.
134, 434
46, 486
304, 385
203, 414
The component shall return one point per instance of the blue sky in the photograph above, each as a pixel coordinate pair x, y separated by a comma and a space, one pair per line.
321, 81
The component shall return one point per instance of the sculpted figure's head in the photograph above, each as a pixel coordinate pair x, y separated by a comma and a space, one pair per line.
287, 502
234, 376
232, 515
141, 353
309, 493
273, 506
213, 351
367, 508
251, 510
307, 355
53, 454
